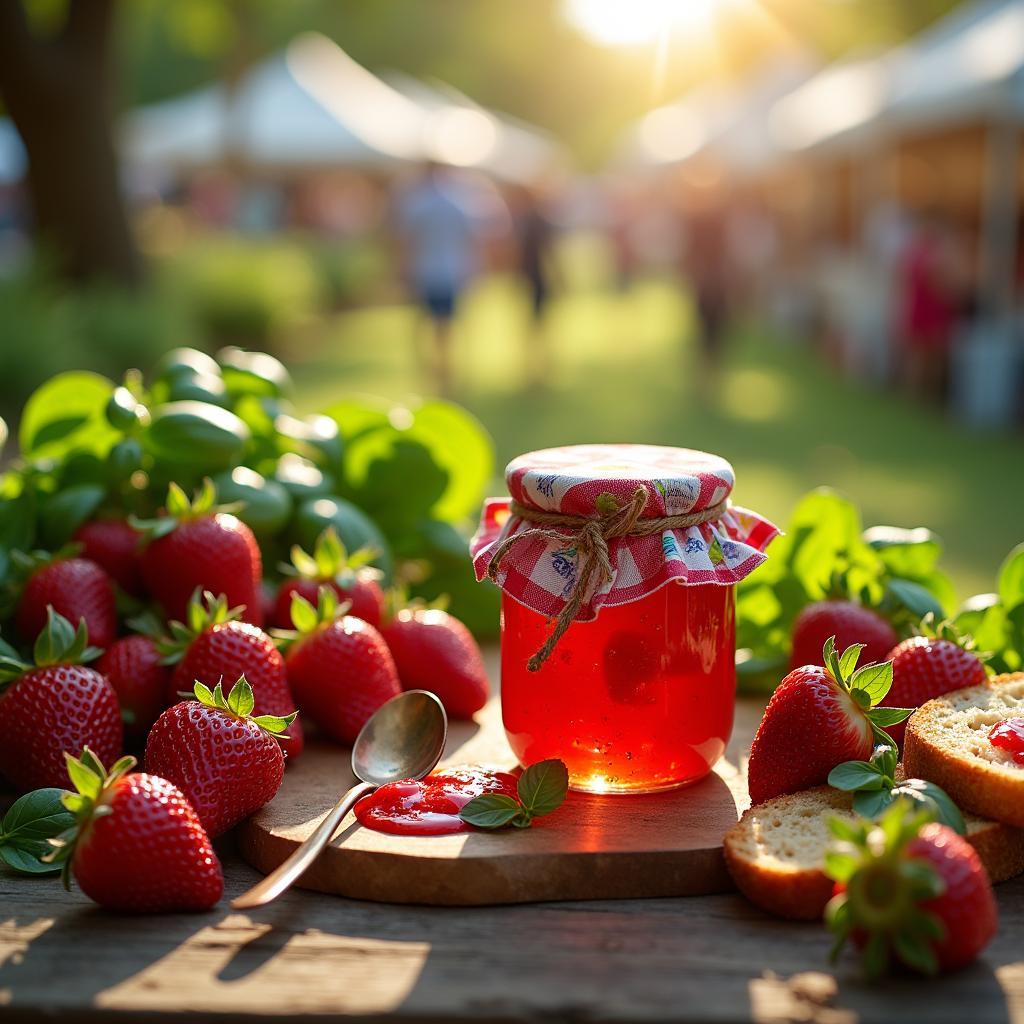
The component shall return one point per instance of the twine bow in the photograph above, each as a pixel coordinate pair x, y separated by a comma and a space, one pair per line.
590, 536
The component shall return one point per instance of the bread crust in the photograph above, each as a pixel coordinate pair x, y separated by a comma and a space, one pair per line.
801, 893
985, 789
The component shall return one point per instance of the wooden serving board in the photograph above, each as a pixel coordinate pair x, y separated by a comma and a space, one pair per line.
593, 847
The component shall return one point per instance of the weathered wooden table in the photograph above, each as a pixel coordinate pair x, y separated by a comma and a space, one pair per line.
708, 958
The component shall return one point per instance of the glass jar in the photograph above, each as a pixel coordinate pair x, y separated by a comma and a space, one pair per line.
637, 694
640, 699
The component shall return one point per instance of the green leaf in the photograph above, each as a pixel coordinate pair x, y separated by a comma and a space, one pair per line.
275, 723
915, 598
849, 658
64, 512
847, 831
543, 786
66, 414
27, 859
876, 956
1011, 579
886, 717
874, 680
909, 553
916, 952
936, 799
862, 698
204, 694
839, 864
36, 816
56, 639
304, 615
853, 775
83, 777
492, 810
871, 803
241, 700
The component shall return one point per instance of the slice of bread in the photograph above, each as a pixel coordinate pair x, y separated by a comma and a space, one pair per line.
776, 851
947, 743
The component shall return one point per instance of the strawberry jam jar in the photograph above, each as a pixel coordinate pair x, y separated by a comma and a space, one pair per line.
617, 565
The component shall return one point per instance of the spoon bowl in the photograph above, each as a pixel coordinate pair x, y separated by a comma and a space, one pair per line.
403, 739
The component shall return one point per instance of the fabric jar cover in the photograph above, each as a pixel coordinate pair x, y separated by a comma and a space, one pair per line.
540, 573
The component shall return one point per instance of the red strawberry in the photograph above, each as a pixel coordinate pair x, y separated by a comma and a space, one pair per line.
909, 890
195, 546
77, 589
147, 852
850, 623
134, 666
56, 706
924, 667
346, 574
214, 646
818, 718
434, 651
226, 763
113, 544
339, 667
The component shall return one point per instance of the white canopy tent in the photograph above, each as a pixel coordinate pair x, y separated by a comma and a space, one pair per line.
313, 105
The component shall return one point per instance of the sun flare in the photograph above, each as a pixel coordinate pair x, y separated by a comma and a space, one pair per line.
640, 22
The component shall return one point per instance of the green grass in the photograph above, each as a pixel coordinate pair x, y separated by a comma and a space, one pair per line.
622, 367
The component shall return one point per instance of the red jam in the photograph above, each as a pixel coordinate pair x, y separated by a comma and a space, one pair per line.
430, 806
638, 700
1009, 735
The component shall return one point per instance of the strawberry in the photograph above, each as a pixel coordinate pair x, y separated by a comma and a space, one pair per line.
214, 646
928, 666
817, 718
198, 546
134, 666
434, 651
76, 588
348, 575
849, 622
55, 706
227, 763
339, 667
137, 844
113, 544
909, 889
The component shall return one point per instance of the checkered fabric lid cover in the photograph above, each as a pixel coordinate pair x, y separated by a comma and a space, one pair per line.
540, 573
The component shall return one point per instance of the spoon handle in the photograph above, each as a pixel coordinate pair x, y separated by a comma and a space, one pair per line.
285, 874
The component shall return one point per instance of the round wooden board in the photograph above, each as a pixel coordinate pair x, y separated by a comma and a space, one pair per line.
593, 847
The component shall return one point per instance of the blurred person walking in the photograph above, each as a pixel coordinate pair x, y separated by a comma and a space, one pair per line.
534, 233
442, 222
933, 300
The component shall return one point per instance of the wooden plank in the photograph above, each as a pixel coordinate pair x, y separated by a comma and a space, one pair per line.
593, 847
709, 958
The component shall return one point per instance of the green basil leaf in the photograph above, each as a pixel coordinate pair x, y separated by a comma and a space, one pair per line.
934, 797
37, 815
853, 775
492, 810
66, 414
543, 786
915, 598
1011, 579
28, 858
870, 804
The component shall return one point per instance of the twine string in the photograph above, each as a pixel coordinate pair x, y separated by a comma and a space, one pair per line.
590, 536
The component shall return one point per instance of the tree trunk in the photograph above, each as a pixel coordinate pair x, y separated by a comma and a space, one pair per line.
58, 92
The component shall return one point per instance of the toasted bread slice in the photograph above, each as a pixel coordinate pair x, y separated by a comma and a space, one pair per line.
947, 743
776, 851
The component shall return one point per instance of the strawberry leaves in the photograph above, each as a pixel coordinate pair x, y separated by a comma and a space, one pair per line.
330, 559
542, 789
867, 686
31, 821
875, 788
239, 703
883, 890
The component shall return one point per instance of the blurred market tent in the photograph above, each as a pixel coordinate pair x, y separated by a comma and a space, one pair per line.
820, 197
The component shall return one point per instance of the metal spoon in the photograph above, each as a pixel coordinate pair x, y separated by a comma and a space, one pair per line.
403, 739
